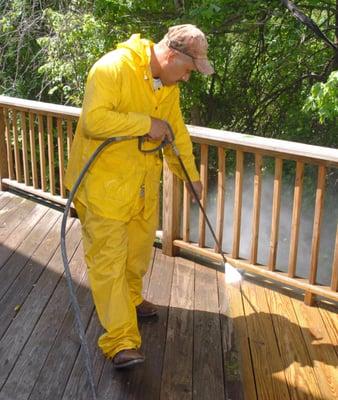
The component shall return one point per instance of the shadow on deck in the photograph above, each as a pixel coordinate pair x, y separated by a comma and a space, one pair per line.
208, 342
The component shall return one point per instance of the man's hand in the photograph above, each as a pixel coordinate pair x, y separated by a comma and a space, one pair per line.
159, 130
198, 189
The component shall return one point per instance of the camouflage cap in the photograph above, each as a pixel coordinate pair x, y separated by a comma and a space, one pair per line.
190, 40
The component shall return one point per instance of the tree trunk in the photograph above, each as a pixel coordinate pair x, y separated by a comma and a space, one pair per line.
335, 62
179, 4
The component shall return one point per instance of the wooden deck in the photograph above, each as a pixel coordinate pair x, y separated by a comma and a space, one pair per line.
204, 333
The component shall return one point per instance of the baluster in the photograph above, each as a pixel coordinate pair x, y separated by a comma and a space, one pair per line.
186, 214
3, 150
220, 199
69, 136
309, 297
32, 150
204, 180
256, 208
170, 220
50, 143
18, 172
61, 156
42, 153
24, 148
237, 204
277, 190
334, 278
296, 212
9, 146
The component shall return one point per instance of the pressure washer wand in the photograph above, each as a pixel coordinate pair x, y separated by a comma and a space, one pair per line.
191, 187
193, 191
232, 275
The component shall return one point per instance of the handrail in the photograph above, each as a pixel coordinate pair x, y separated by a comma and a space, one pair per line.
39, 107
214, 137
274, 147
35, 141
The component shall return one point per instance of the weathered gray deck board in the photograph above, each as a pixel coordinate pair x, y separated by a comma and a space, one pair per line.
178, 360
208, 358
21, 263
4, 199
145, 382
25, 340
14, 214
77, 386
56, 369
204, 332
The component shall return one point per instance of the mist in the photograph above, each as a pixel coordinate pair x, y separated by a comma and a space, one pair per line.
328, 226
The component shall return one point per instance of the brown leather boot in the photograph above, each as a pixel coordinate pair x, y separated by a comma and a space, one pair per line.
127, 358
146, 309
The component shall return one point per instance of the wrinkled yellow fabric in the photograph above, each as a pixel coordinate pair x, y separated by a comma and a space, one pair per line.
119, 101
117, 254
117, 201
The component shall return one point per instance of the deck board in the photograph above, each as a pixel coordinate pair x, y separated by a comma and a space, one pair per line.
323, 356
63, 343
4, 199
178, 359
208, 356
297, 364
26, 340
20, 266
329, 316
267, 362
210, 340
77, 387
10, 233
239, 379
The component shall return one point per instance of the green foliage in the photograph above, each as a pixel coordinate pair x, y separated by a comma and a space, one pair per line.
74, 43
267, 64
324, 99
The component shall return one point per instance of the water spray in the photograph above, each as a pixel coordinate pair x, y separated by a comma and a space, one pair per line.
232, 276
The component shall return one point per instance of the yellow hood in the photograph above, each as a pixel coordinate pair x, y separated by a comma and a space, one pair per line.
120, 101
139, 47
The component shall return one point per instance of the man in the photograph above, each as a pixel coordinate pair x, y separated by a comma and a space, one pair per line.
131, 91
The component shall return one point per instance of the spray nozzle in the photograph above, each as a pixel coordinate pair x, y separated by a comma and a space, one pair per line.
168, 140
144, 139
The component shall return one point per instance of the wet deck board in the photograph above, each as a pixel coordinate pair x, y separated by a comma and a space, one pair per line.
209, 340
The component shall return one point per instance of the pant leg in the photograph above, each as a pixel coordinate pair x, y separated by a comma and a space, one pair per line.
105, 243
141, 236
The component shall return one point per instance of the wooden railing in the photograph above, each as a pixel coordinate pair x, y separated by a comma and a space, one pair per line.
28, 125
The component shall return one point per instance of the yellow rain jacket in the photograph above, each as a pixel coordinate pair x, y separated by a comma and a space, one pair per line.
119, 101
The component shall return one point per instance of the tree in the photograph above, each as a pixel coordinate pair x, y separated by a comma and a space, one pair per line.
266, 61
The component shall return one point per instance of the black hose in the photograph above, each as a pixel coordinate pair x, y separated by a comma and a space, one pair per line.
74, 302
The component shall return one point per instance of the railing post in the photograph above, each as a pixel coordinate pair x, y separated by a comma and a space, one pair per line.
170, 214
3, 151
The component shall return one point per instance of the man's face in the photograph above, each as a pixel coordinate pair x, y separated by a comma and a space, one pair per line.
178, 68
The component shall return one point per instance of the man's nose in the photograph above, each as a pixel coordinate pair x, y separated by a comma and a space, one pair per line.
185, 77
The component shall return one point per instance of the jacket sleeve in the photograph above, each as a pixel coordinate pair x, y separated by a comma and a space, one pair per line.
100, 106
183, 143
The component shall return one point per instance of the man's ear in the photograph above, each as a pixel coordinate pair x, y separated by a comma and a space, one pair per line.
171, 55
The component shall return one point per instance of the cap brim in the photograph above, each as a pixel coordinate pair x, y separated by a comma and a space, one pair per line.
203, 66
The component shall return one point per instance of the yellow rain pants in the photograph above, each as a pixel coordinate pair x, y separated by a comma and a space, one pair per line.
118, 224
117, 255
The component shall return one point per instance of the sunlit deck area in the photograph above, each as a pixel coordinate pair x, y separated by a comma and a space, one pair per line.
210, 341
